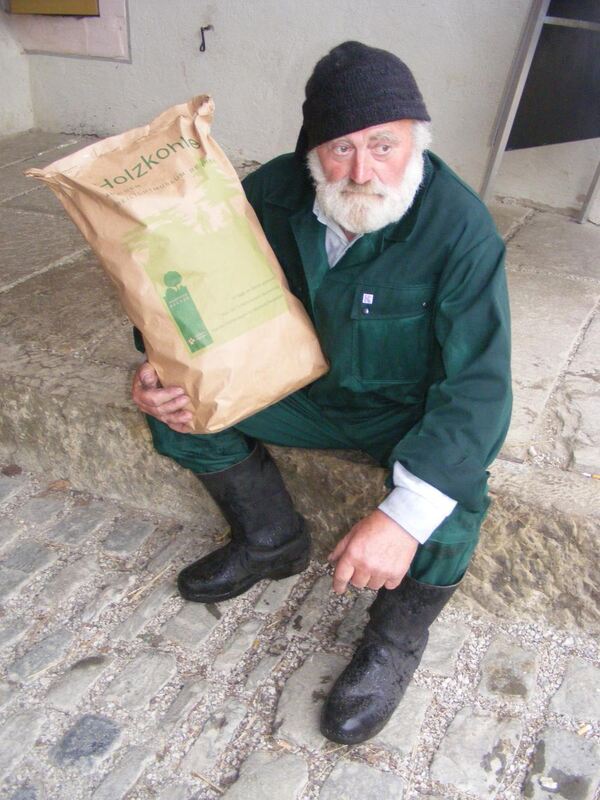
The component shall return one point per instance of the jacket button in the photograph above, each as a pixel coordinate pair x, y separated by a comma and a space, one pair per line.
365, 311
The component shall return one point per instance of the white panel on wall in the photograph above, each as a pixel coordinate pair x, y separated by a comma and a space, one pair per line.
106, 36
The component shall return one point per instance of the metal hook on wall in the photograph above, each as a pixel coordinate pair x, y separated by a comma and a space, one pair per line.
203, 43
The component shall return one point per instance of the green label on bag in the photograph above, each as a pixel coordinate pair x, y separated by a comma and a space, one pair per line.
185, 314
219, 284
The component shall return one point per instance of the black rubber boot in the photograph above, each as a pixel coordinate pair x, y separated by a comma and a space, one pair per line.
267, 535
368, 691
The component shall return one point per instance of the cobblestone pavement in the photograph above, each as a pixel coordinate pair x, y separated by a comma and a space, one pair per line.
113, 687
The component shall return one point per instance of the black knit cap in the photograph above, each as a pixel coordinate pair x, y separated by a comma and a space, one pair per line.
354, 87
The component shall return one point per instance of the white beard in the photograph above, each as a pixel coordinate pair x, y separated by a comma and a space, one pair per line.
368, 207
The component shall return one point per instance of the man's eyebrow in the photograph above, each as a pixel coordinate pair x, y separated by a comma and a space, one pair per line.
384, 136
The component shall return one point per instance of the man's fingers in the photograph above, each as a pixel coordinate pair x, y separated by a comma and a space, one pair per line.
165, 404
341, 576
375, 583
360, 579
339, 548
170, 399
393, 584
148, 377
180, 427
176, 417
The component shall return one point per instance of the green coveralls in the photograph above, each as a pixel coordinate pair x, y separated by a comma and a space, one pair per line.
418, 375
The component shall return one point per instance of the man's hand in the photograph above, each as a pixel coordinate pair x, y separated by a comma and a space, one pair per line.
166, 404
377, 552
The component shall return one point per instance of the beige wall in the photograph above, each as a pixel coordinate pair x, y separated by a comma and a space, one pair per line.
16, 110
258, 58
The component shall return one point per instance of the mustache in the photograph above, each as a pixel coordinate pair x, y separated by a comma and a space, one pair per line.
372, 187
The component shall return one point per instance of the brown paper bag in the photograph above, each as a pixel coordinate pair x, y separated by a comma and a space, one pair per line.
163, 209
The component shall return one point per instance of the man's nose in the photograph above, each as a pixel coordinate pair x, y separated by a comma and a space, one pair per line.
361, 171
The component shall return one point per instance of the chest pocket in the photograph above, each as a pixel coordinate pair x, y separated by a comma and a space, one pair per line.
391, 333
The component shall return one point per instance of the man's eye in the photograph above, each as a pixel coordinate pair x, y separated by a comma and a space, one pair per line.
383, 149
341, 149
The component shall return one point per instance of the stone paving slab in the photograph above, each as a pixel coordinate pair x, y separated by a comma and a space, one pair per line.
274, 595
507, 671
402, 731
245, 637
313, 606
443, 645
350, 629
261, 778
128, 536
42, 511
67, 693
546, 488
216, 733
107, 703
114, 587
558, 244
81, 523
21, 146
10, 486
564, 766
192, 625
144, 612
118, 783
44, 654
510, 217
69, 581
349, 780
475, 752
135, 687
41, 201
190, 695
39, 235
90, 737
540, 351
569, 433
14, 182
17, 736
11, 631
299, 707
52, 296
579, 693
29, 556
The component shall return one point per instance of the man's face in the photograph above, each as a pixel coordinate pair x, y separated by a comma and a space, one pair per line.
381, 152
368, 179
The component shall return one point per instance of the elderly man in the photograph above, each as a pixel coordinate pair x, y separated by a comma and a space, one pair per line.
401, 270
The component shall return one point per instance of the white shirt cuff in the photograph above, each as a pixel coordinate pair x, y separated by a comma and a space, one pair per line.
415, 504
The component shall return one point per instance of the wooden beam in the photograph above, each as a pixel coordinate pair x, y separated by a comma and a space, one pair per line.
78, 8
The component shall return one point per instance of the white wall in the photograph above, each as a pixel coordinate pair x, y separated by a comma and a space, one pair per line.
260, 54
16, 110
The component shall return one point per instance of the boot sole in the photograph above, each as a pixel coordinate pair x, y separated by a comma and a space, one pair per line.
293, 568
333, 736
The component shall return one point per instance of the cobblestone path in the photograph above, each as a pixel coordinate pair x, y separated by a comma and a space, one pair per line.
113, 687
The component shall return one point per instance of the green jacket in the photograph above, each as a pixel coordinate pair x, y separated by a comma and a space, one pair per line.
433, 345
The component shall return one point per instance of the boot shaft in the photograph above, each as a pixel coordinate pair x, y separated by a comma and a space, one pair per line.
254, 500
402, 616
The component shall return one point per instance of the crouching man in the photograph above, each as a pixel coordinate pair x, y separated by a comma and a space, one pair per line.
401, 269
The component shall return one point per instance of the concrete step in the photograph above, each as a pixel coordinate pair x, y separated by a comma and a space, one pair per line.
67, 359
